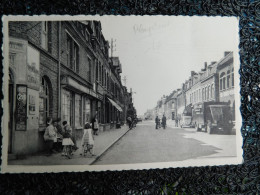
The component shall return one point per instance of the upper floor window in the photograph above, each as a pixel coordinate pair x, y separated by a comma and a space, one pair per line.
72, 54
208, 95
96, 70
203, 94
222, 81
228, 79
212, 91
46, 36
89, 69
232, 76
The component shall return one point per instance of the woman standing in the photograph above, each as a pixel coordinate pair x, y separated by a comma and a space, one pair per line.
87, 141
50, 135
95, 125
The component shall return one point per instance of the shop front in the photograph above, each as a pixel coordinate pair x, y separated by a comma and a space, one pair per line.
76, 104
25, 88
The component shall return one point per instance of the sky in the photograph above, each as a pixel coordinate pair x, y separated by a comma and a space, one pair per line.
158, 53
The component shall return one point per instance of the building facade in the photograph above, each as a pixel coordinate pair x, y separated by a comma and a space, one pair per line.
60, 69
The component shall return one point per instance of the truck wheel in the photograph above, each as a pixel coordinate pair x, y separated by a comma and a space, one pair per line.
209, 129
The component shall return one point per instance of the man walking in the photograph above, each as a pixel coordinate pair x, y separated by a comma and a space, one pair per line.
164, 121
157, 121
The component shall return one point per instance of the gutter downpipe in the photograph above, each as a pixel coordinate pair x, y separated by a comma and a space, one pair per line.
59, 65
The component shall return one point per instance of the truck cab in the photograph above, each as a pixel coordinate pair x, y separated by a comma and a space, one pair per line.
213, 117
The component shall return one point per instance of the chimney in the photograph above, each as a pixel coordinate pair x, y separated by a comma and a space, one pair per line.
205, 65
226, 53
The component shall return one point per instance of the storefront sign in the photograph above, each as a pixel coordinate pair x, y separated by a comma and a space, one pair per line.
21, 107
33, 68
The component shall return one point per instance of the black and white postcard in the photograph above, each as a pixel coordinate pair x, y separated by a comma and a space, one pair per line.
96, 93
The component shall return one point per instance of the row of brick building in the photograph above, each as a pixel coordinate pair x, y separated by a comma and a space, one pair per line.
61, 69
214, 83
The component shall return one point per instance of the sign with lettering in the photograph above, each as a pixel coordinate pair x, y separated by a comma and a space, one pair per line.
33, 68
21, 107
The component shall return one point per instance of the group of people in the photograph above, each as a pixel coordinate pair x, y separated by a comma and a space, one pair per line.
131, 121
158, 122
61, 139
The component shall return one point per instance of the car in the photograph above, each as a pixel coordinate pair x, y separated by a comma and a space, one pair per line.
139, 119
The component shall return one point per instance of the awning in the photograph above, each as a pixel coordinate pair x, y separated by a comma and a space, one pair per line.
116, 105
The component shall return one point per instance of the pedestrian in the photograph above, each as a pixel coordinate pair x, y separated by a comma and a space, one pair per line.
176, 122
56, 124
87, 141
129, 121
157, 122
50, 136
95, 125
67, 141
164, 121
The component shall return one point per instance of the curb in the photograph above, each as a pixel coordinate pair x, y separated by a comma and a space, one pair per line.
101, 154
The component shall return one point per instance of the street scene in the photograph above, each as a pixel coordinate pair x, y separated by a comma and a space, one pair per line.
122, 90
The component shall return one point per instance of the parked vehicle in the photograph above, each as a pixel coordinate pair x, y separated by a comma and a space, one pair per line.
139, 119
186, 121
213, 117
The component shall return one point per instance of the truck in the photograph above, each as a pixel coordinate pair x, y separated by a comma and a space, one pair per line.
213, 117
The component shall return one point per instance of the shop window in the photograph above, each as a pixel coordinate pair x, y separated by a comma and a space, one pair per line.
44, 100
86, 111
78, 111
67, 106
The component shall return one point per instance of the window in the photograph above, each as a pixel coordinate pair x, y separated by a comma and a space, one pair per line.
99, 73
199, 95
212, 91
78, 111
89, 69
69, 50
72, 54
44, 35
190, 98
76, 58
205, 95
67, 106
43, 102
86, 111
208, 95
202, 94
222, 81
96, 70
228, 79
232, 75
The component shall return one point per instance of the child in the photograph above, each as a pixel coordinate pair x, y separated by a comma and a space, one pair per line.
87, 141
67, 142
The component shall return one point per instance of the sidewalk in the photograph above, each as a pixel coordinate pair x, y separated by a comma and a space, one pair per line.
102, 143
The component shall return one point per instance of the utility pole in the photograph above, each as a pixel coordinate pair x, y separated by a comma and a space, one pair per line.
113, 46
